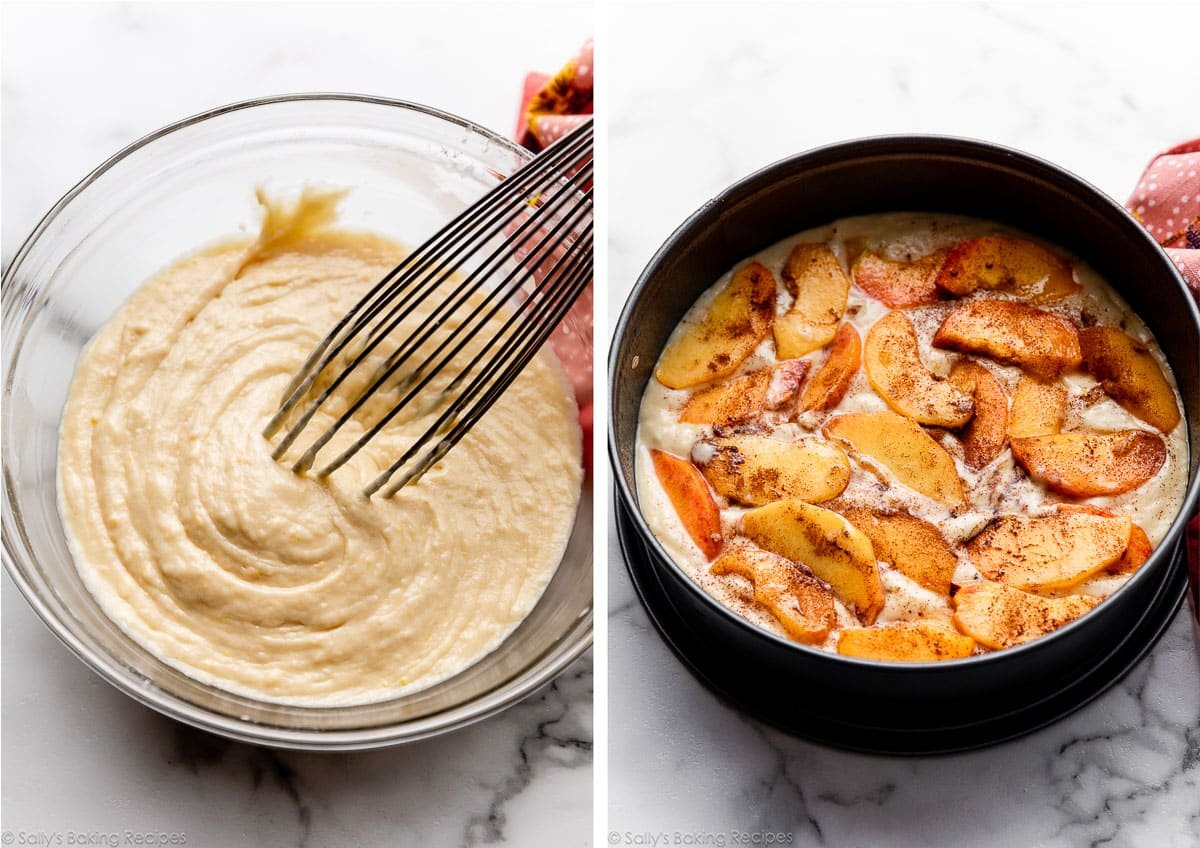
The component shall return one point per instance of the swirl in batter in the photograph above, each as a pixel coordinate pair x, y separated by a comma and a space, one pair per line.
246, 576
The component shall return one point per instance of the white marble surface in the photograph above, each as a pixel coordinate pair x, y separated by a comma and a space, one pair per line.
702, 98
79, 82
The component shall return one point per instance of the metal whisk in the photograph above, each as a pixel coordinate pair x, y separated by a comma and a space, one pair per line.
509, 267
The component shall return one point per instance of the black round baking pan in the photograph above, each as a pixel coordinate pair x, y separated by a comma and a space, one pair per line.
901, 707
736, 678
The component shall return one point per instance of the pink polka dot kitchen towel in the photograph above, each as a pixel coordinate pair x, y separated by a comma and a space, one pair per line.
1167, 202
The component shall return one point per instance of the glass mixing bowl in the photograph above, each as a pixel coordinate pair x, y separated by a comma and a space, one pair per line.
410, 169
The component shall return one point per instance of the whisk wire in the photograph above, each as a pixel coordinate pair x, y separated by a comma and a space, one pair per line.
496, 300
473, 282
537, 215
393, 319
468, 225
544, 323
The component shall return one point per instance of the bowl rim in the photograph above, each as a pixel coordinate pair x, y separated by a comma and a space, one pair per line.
577, 639
958, 147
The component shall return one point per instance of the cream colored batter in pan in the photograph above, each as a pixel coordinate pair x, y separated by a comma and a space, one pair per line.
995, 489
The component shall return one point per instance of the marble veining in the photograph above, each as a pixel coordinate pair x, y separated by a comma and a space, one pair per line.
79, 757
726, 93
552, 742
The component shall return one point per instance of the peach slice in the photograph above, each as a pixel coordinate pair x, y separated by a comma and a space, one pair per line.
998, 616
987, 432
898, 375
907, 451
828, 544
737, 320
1136, 553
1138, 549
1130, 375
815, 278
802, 604
756, 470
831, 381
730, 401
1084, 465
1039, 342
1047, 552
906, 641
1038, 408
693, 502
746, 397
1010, 264
913, 547
898, 284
